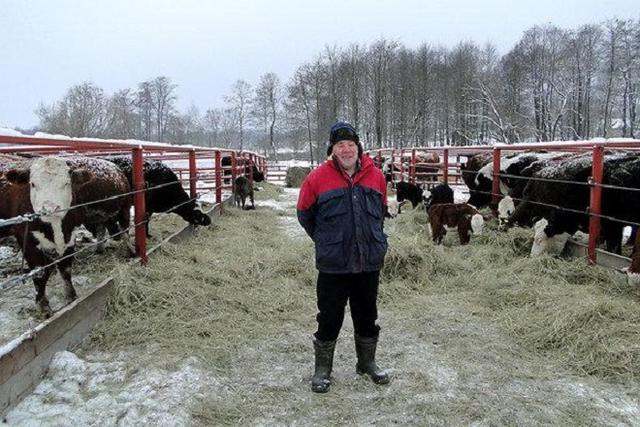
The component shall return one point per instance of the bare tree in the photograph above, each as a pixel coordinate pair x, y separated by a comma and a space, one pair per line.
239, 103
121, 117
266, 107
80, 113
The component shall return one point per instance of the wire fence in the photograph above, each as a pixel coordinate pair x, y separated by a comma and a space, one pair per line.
17, 280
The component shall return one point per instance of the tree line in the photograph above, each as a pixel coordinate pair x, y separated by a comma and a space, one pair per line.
554, 84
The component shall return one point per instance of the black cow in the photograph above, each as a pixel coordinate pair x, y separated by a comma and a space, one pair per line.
512, 167
168, 198
226, 171
241, 189
620, 169
438, 195
408, 191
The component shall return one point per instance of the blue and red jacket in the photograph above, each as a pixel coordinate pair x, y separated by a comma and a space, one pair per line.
344, 216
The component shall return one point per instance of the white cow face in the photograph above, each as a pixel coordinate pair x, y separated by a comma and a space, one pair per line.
50, 181
506, 207
426, 196
477, 223
540, 239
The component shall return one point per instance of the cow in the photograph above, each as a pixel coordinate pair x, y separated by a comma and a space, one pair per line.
462, 216
470, 169
439, 194
563, 203
226, 163
405, 191
512, 169
169, 197
506, 208
241, 189
50, 186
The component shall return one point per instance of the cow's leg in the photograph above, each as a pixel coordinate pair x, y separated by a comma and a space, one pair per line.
147, 220
464, 232
253, 206
99, 234
122, 226
612, 234
64, 268
35, 258
40, 282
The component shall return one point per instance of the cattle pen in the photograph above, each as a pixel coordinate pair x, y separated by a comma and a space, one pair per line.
444, 336
200, 171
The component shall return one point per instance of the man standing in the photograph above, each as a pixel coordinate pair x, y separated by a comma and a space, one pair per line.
341, 207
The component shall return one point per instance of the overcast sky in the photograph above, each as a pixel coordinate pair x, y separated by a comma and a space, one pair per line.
46, 46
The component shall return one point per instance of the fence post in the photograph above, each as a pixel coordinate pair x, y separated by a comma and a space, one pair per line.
445, 166
234, 170
193, 174
595, 205
412, 168
379, 158
218, 169
495, 185
139, 205
393, 160
402, 164
250, 170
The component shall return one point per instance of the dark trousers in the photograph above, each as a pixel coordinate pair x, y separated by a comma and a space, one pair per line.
334, 290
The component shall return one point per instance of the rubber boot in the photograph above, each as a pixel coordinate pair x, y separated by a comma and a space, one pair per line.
366, 352
321, 380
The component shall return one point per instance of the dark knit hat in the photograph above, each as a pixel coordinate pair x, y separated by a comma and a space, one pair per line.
343, 131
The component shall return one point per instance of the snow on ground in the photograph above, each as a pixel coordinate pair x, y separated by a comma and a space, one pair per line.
101, 390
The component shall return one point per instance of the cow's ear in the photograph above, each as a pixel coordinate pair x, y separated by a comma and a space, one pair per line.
20, 176
80, 176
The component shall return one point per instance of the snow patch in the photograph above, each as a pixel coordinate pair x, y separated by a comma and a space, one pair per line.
91, 392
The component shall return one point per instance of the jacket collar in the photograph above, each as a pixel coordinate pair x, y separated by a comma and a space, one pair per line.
364, 164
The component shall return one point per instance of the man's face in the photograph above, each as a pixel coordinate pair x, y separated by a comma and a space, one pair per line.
346, 151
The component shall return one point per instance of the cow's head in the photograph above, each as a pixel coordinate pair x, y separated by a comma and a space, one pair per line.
426, 197
194, 216
540, 239
477, 223
51, 181
506, 207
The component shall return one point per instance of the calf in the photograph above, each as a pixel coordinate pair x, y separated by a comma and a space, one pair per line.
51, 186
241, 189
438, 195
462, 216
169, 197
409, 192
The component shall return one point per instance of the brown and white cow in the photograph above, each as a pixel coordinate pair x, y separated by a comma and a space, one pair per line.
51, 186
465, 218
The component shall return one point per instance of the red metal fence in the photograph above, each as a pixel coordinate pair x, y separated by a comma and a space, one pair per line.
403, 164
